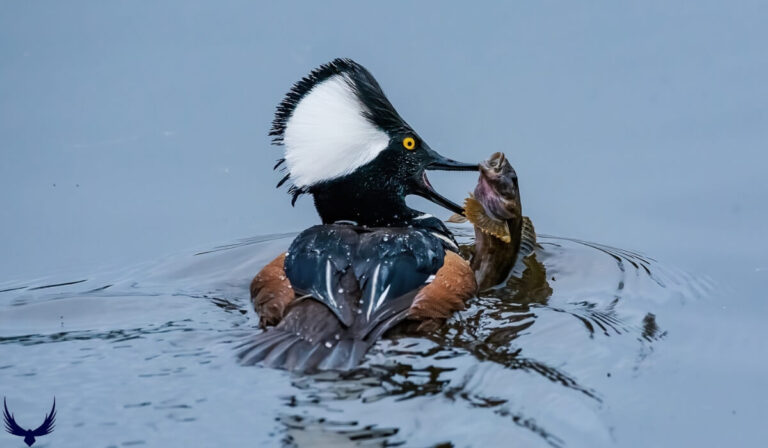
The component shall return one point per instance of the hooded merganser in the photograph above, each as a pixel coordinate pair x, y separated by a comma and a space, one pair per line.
374, 262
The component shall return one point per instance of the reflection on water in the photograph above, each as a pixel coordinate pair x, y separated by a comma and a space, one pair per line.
486, 333
534, 361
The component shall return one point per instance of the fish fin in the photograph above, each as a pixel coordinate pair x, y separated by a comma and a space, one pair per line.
477, 216
457, 219
528, 241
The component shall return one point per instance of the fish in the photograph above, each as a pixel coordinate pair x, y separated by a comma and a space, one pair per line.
496, 212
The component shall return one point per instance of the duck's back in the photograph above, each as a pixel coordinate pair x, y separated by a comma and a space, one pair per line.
352, 284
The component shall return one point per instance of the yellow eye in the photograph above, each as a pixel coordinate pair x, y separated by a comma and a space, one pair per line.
409, 143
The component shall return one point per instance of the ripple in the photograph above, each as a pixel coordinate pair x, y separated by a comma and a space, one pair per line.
526, 362
559, 276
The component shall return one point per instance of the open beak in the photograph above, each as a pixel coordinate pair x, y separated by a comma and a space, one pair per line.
424, 189
441, 163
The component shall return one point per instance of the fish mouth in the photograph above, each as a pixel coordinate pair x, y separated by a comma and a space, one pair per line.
494, 164
497, 190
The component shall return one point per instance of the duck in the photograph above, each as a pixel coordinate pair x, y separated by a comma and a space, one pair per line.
373, 263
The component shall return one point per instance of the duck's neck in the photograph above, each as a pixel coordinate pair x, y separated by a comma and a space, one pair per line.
366, 207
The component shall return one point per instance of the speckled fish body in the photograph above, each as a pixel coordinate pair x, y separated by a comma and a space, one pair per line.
496, 212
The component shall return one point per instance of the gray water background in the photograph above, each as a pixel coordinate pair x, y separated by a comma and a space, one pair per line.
133, 130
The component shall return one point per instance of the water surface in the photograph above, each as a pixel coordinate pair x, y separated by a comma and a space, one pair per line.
130, 131
584, 346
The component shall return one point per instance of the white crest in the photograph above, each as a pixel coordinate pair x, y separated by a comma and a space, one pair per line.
327, 136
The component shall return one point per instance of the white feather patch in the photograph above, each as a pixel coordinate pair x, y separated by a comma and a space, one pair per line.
446, 239
327, 135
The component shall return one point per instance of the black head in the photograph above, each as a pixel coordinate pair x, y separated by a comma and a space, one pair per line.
346, 145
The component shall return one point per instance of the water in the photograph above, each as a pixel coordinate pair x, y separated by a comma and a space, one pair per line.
129, 132
587, 346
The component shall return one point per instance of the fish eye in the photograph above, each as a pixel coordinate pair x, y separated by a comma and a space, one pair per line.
409, 143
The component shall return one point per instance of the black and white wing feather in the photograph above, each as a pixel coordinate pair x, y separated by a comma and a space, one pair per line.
392, 266
317, 263
359, 283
